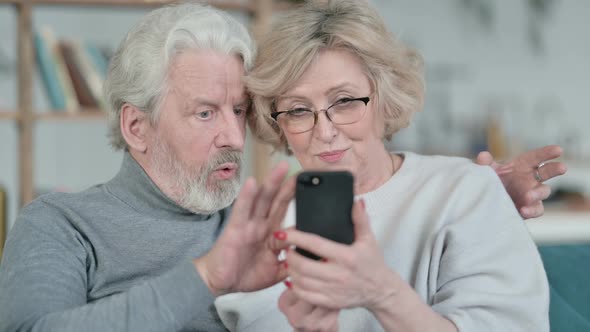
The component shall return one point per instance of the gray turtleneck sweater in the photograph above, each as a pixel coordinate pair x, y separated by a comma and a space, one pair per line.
116, 257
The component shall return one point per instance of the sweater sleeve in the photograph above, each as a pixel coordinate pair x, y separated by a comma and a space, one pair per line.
491, 277
43, 286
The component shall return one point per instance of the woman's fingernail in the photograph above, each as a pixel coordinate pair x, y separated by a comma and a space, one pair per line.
285, 264
288, 283
324, 260
280, 235
362, 201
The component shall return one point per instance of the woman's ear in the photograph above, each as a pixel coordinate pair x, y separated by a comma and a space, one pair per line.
134, 126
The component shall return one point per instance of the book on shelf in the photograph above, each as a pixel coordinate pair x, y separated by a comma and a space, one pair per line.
81, 86
72, 72
93, 76
62, 80
99, 58
48, 71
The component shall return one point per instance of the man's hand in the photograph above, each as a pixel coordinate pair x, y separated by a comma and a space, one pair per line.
519, 177
242, 258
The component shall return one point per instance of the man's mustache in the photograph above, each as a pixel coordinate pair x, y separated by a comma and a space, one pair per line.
226, 156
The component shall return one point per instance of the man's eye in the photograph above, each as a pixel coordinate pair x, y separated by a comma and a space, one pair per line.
239, 111
204, 115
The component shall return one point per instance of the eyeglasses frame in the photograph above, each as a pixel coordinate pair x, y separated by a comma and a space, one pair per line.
275, 115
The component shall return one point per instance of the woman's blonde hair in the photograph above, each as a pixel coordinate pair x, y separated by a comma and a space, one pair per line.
295, 39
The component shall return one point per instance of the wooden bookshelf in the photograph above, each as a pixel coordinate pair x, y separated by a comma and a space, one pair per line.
24, 115
8, 115
83, 115
26, 65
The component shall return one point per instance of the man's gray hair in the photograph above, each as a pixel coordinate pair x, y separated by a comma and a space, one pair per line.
138, 69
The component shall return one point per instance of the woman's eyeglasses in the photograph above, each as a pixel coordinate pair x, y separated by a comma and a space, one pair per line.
301, 119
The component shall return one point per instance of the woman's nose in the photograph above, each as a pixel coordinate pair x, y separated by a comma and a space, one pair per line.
324, 128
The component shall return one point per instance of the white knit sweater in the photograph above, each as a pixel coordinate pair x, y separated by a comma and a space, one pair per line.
449, 228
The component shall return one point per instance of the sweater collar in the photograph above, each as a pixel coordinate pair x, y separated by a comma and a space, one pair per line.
133, 186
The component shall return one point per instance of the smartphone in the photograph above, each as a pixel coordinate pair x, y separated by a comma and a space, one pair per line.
323, 206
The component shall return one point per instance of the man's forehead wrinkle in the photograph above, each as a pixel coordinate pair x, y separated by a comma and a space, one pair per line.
197, 85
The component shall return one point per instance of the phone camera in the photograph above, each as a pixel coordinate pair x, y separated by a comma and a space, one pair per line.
315, 180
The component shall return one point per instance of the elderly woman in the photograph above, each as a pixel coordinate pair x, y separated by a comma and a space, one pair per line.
439, 245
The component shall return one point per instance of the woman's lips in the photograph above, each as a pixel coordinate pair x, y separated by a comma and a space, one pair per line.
332, 156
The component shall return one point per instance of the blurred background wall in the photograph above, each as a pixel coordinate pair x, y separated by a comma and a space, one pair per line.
519, 68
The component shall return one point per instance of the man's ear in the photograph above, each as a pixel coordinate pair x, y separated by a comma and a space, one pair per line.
134, 126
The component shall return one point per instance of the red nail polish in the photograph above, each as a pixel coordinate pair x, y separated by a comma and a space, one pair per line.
280, 235
286, 264
324, 260
288, 283
362, 201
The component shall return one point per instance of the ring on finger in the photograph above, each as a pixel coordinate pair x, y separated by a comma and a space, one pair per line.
536, 173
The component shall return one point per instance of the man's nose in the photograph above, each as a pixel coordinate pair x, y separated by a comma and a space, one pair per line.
232, 132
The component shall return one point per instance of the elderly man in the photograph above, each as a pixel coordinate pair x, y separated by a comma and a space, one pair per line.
144, 251
153, 247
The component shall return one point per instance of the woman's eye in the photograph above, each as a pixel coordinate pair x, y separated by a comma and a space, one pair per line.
342, 101
299, 111
204, 115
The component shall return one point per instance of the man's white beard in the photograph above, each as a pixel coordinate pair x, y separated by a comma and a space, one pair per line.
189, 185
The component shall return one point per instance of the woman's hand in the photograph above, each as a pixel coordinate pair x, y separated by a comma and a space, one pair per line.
348, 276
352, 276
306, 317
521, 180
